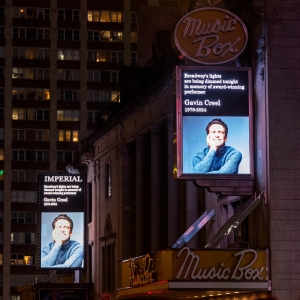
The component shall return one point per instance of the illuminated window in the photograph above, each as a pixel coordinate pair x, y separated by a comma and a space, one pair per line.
23, 238
31, 94
67, 135
68, 115
68, 54
1, 154
105, 16
1, 174
28, 73
133, 37
18, 114
115, 96
23, 259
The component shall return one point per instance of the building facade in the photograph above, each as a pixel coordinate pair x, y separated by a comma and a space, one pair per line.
137, 208
59, 64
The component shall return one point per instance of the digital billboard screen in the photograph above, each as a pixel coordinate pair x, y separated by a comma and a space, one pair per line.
61, 221
214, 122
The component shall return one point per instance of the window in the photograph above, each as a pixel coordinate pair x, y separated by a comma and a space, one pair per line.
43, 53
30, 155
30, 114
1, 113
1, 52
24, 196
133, 57
105, 16
18, 113
68, 95
68, 15
92, 116
67, 135
71, 75
31, 94
105, 56
31, 33
43, 13
64, 156
42, 114
68, 34
31, 13
68, 54
104, 76
133, 37
133, 17
2, 33
43, 135
27, 217
117, 56
26, 73
19, 134
2, 12
23, 238
102, 96
1, 154
68, 115
28, 176
105, 36
23, 259
1, 133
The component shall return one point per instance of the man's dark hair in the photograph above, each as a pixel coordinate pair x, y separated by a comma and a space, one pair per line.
63, 217
217, 121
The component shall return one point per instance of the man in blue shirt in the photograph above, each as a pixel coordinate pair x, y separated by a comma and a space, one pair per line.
217, 158
62, 252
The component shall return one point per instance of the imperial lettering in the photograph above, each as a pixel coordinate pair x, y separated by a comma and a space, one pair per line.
56, 178
191, 267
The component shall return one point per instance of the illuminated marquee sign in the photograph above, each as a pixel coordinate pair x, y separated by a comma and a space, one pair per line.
195, 269
211, 36
214, 122
61, 221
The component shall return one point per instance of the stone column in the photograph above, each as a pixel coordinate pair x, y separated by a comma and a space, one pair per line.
155, 193
173, 233
127, 209
140, 187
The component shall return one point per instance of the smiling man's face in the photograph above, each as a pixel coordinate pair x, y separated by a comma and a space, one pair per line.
63, 229
216, 137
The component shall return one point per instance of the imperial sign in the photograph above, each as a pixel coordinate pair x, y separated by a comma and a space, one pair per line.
211, 36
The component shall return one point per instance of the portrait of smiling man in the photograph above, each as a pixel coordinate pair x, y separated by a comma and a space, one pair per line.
62, 252
217, 158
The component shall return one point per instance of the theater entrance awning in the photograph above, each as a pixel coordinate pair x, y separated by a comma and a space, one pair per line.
181, 273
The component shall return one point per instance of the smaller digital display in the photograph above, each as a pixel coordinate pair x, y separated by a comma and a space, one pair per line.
61, 221
214, 118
